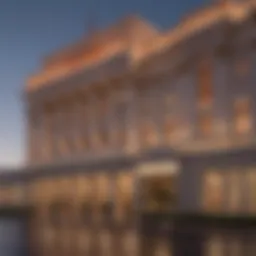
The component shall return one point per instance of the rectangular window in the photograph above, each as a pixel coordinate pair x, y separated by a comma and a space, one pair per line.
205, 80
213, 191
215, 246
168, 101
103, 129
205, 124
234, 198
251, 185
124, 197
121, 115
242, 116
147, 125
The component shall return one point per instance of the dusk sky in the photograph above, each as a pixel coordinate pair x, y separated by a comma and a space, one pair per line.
30, 29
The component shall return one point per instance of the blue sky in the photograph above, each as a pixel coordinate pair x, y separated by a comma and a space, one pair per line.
30, 29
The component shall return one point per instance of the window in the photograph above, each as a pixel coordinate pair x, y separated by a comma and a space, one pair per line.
234, 191
205, 124
215, 246
124, 197
86, 213
205, 92
168, 116
242, 116
222, 245
162, 247
59, 213
251, 185
213, 191
102, 120
130, 243
121, 115
147, 131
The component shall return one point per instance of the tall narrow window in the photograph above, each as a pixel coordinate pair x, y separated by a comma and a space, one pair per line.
205, 123
121, 115
215, 245
213, 191
234, 191
242, 116
168, 116
103, 129
205, 90
251, 185
147, 126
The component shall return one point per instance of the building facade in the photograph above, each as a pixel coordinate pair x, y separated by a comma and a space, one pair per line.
133, 122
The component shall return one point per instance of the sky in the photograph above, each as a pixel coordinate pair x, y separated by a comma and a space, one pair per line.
31, 29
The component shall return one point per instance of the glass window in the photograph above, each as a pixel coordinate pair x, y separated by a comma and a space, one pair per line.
215, 246
146, 121
162, 247
205, 92
130, 243
251, 185
106, 243
86, 213
121, 115
169, 125
213, 191
205, 123
235, 246
234, 190
242, 116
124, 196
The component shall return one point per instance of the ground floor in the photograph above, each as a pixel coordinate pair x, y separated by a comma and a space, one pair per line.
111, 207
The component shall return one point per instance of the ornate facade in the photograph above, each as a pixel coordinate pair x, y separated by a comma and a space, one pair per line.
132, 121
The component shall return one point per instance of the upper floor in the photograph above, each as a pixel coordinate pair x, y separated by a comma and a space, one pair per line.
193, 89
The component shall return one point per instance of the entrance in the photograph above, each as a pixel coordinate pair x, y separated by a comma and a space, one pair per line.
157, 184
158, 194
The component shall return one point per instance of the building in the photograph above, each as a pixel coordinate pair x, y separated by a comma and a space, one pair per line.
132, 123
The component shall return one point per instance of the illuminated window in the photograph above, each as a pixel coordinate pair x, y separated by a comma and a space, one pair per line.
251, 185
130, 244
234, 191
215, 246
168, 117
147, 129
102, 121
213, 191
124, 197
205, 124
205, 80
162, 247
242, 116
106, 243
121, 115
